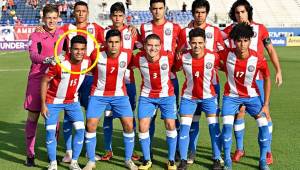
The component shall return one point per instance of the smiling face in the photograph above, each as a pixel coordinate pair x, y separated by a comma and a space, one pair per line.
197, 45
152, 48
78, 51
50, 21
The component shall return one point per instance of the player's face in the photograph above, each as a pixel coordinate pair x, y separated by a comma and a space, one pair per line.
197, 45
152, 48
114, 44
200, 15
241, 14
50, 20
78, 51
242, 44
157, 10
81, 13
117, 18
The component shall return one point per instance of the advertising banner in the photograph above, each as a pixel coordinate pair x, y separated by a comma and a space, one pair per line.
13, 45
293, 41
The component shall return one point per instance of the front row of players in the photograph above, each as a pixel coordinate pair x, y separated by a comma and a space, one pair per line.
241, 65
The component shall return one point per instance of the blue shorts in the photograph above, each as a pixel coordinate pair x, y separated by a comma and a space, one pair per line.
73, 113
176, 90
260, 85
231, 105
189, 106
131, 92
85, 90
167, 105
120, 106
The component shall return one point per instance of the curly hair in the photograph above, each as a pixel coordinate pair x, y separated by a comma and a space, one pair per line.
247, 6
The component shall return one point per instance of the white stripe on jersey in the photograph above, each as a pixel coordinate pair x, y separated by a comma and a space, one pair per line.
209, 38
187, 31
144, 68
249, 75
188, 92
63, 84
254, 39
119, 83
84, 65
168, 36
208, 74
127, 39
230, 65
101, 68
164, 76
148, 29
90, 43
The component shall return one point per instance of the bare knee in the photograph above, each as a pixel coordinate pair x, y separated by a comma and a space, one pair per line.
170, 124
91, 125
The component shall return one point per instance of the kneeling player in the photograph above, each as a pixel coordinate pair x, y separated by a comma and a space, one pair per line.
59, 92
157, 91
241, 66
109, 89
199, 66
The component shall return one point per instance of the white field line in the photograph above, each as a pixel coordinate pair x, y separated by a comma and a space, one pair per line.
13, 70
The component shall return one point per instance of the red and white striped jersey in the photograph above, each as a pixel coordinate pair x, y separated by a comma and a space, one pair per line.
260, 34
156, 76
128, 42
109, 73
199, 73
63, 88
93, 28
213, 37
241, 73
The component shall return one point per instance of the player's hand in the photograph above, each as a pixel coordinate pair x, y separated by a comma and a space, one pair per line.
278, 78
44, 111
61, 56
265, 109
133, 30
40, 29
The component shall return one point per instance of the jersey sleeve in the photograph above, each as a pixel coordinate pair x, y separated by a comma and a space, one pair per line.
100, 34
182, 39
217, 61
142, 33
264, 68
264, 32
93, 55
225, 32
177, 63
52, 71
220, 45
35, 49
134, 63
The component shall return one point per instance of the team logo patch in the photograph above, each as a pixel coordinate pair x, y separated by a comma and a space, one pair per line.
168, 31
164, 67
91, 30
127, 36
209, 65
122, 64
208, 35
255, 34
251, 68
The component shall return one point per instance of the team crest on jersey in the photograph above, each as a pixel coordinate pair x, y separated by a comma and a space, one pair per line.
209, 65
208, 35
127, 36
251, 68
168, 31
91, 30
255, 34
164, 66
122, 64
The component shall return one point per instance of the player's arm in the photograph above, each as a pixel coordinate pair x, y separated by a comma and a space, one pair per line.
267, 88
35, 49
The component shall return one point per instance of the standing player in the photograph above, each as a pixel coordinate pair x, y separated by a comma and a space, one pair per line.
81, 13
213, 42
59, 92
242, 11
199, 66
157, 91
168, 33
117, 16
241, 66
41, 54
109, 89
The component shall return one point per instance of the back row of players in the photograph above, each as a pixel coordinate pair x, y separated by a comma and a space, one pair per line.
199, 50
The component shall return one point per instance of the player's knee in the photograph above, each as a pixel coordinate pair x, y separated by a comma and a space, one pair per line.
170, 124
91, 125
78, 125
128, 127
196, 118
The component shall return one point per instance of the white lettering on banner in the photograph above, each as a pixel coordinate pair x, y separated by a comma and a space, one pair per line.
25, 30
282, 42
281, 34
12, 45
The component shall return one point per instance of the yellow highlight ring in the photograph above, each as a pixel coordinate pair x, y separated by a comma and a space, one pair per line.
66, 69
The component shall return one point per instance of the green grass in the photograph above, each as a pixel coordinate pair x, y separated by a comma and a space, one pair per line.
284, 106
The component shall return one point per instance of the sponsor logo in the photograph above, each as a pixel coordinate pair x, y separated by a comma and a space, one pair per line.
183, 137
49, 142
251, 68
67, 130
227, 140
80, 142
263, 140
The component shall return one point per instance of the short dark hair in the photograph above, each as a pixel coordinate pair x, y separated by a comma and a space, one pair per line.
78, 39
81, 3
152, 36
200, 4
50, 8
197, 32
112, 33
247, 6
156, 1
118, 6
241, 30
